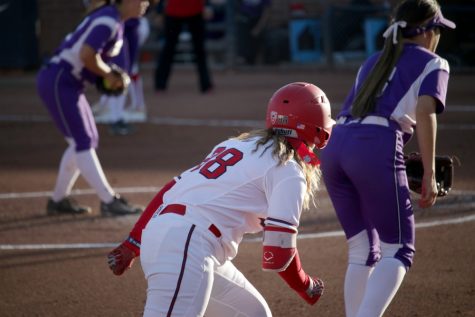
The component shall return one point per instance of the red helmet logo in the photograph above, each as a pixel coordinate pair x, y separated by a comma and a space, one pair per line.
301, 110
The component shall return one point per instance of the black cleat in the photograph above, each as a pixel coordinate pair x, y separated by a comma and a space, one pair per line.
120, 128
119, 207
67, 205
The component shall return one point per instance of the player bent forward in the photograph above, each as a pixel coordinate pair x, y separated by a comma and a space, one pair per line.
260, 180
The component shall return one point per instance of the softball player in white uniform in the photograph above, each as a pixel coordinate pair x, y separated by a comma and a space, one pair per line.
260, 180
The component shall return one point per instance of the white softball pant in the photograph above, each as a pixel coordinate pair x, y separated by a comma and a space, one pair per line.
185, 278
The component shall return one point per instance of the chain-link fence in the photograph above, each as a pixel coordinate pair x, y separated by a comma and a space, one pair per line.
352, 33
338, 36
327, 34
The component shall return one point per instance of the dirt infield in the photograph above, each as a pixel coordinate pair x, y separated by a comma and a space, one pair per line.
54, 276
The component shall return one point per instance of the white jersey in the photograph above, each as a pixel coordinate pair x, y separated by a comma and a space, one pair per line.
237, 189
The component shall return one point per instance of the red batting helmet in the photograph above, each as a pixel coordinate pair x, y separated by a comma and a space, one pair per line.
302, 111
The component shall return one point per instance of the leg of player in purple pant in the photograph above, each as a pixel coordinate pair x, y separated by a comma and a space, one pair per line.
116, 104
364, 174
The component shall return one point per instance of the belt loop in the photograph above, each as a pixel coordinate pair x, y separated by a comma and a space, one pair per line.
214, 230
174, 208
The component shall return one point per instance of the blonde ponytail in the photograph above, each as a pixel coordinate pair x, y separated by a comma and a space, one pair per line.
284, 152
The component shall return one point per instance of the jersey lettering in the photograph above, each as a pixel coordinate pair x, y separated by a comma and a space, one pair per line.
212, 156
217, 164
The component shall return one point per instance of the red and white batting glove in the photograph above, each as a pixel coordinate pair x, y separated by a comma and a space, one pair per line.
122, 257
314, 291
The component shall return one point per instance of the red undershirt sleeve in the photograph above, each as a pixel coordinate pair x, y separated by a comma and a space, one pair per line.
136, 232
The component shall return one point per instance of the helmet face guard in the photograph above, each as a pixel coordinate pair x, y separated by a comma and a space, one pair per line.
302, 111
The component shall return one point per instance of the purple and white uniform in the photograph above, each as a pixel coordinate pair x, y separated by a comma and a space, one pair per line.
363, 165
129, 49
61, 82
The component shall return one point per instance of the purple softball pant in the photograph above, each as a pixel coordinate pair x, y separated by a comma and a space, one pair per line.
364, 172
63, 96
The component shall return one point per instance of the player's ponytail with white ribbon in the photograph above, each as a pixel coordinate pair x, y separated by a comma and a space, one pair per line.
409, 14
392, 30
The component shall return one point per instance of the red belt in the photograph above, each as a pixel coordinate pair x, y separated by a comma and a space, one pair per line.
181, 210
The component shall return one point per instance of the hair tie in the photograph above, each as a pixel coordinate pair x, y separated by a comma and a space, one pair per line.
392, 29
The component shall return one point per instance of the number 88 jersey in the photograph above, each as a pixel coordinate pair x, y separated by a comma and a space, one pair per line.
237, 187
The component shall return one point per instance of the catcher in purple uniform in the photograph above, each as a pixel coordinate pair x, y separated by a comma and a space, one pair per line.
82, 57
363, 165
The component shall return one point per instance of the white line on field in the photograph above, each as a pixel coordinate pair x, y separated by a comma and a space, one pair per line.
71, 246
133, 190
153, 189
420, 225
78, 192
219, 122
57, 246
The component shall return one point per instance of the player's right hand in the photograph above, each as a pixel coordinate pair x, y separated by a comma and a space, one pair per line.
121, 258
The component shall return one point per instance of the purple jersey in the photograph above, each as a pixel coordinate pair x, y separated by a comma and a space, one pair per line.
418, 72
102, 30
131, 36
129, 51
363, 163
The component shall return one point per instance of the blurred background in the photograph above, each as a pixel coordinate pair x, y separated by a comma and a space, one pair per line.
331, 34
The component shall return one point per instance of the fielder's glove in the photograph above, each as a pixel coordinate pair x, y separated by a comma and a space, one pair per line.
105, 87
444, 172
122, 257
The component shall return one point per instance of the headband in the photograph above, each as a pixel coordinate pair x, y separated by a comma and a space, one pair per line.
437, 21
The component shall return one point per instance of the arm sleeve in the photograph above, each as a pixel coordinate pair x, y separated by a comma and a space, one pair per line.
295, 276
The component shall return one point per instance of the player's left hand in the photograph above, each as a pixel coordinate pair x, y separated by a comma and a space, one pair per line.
314, 291
429, 191
121, 258
114, 83
440, 182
